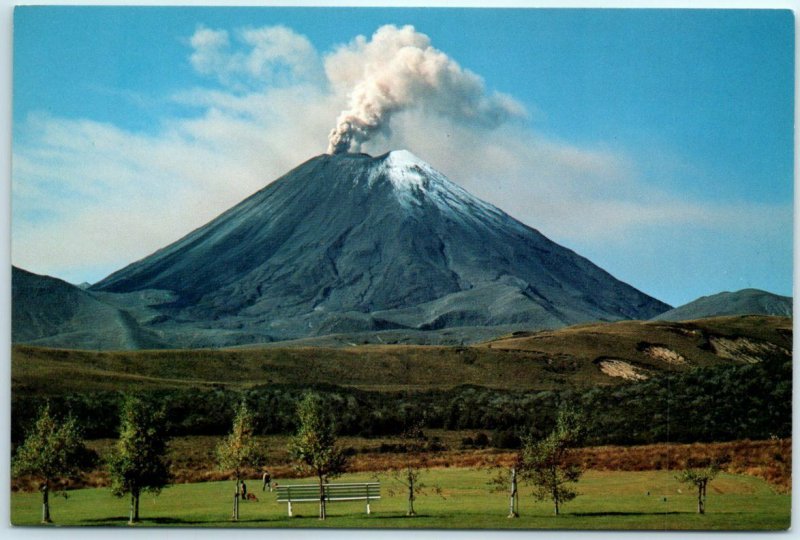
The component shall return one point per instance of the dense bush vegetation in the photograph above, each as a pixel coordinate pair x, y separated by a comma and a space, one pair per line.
709, 404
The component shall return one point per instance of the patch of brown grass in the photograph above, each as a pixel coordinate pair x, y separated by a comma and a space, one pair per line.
193, 462
770, 460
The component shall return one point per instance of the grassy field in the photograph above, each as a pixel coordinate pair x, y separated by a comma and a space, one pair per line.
608, 500
541, 361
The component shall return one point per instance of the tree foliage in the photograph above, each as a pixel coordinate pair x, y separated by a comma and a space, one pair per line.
313, 447
138, 462
699, 475
673, 407
52, 451
238, 450
545, 463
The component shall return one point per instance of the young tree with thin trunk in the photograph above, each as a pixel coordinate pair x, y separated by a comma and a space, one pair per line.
700, 477
546, 464
52, 450
138, 462
415, 460
513, 503
238, 450
314, 447
507, 478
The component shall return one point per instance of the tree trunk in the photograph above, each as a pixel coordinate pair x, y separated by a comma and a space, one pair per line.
513, 510
235, 516
554, 485
322, 509
701, 507
555, 500
45, 503
133, 516
410, 478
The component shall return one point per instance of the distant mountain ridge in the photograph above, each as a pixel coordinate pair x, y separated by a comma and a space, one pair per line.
743, 302
352, 243
50, 312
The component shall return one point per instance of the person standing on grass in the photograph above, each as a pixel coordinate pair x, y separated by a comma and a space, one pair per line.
244, 491
267, 479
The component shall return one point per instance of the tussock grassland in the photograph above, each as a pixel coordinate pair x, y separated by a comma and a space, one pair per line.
659, 345
570, 357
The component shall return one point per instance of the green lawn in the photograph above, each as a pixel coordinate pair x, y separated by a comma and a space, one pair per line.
608, 500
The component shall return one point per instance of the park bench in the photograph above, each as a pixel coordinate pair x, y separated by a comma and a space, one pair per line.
365, 491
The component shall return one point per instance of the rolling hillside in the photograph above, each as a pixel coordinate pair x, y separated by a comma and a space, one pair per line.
49, 312
744, 302
579, 356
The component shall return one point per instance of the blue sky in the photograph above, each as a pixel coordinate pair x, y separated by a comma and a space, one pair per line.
657, 143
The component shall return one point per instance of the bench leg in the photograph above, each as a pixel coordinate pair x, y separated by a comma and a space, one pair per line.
290, 508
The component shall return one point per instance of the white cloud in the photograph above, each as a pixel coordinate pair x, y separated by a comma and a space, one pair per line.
210, 54
278, 51
273, 55
88, 194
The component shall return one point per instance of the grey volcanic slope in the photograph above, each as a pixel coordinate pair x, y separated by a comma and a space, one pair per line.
350, 242
744, 302
50, 312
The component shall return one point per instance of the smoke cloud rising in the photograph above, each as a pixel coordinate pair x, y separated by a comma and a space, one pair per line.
397, 70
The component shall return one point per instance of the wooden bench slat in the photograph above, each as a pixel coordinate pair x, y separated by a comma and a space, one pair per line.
345, 490
331, 490
316, 498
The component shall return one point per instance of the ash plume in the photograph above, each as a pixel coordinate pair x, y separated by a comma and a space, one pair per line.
398, 69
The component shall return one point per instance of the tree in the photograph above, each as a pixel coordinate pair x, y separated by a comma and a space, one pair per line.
700, 476
238, 450
138, 462
507, 478
545, 463
513, 496
51, 451
314, 446
415, 447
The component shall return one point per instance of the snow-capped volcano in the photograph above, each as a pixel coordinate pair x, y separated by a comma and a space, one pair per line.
416, 182
351, 242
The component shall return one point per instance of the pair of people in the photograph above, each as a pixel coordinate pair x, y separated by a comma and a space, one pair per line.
267, 483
